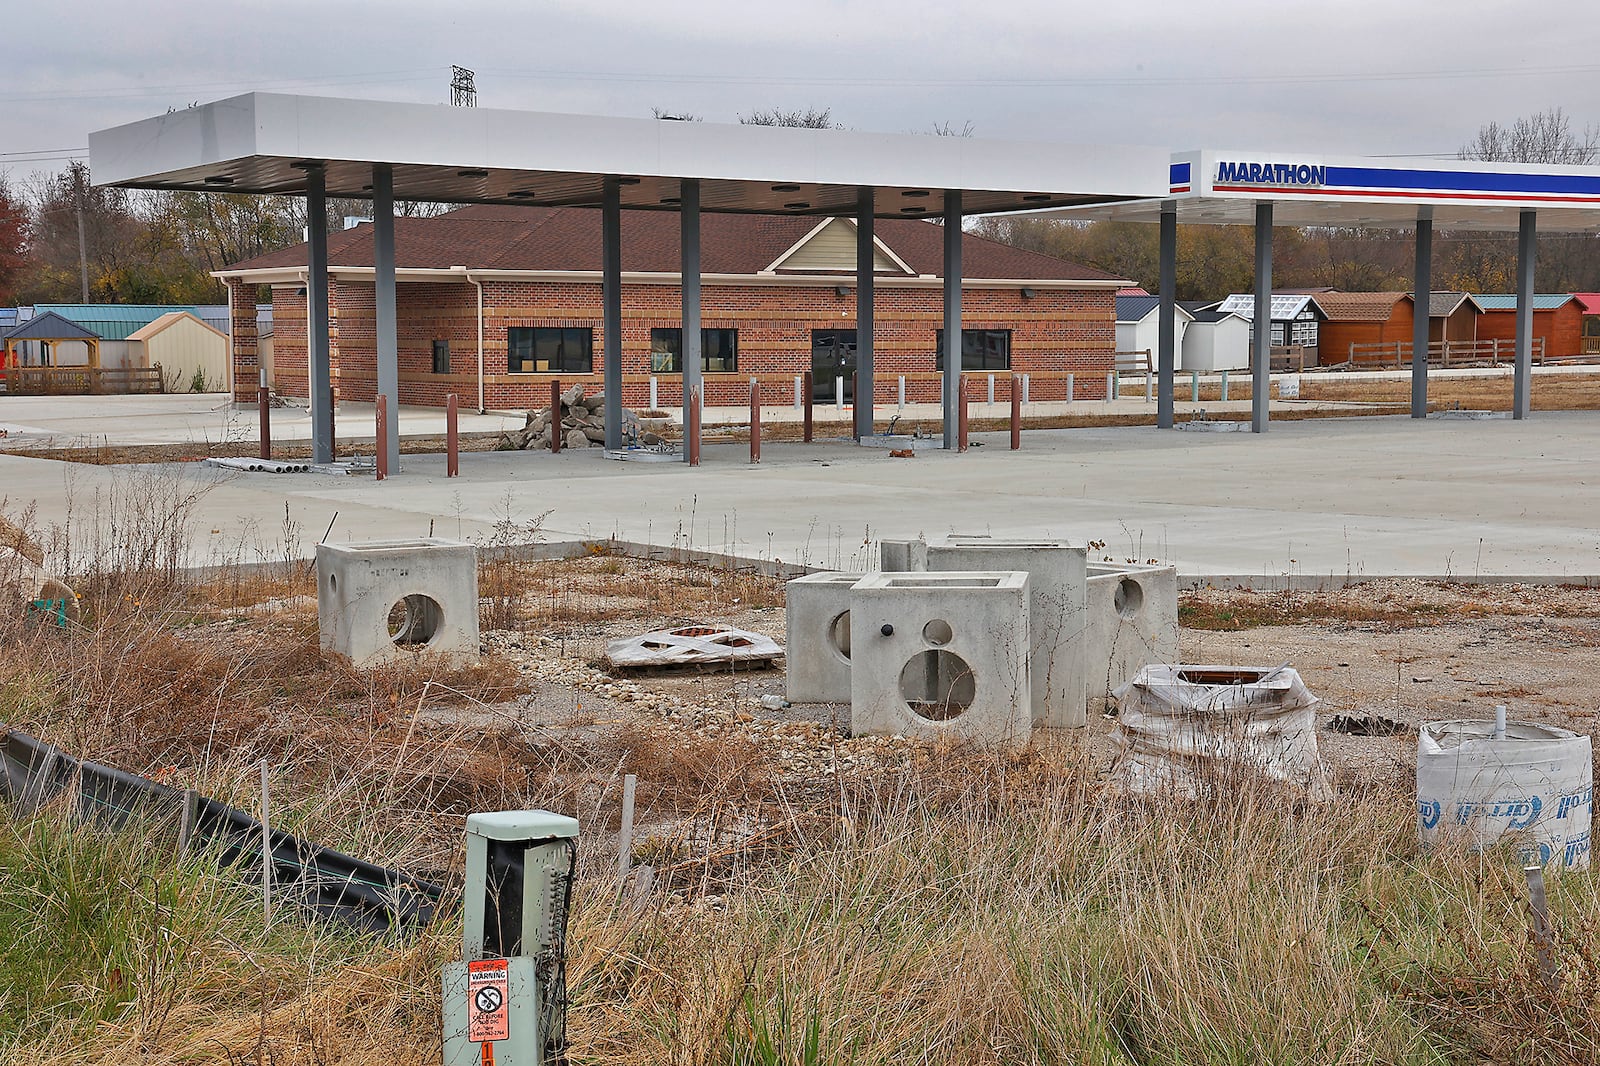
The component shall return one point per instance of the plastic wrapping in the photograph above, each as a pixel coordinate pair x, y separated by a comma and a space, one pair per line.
1536, 784
1194, 730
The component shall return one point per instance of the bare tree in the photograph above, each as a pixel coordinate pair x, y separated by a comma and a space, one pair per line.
810, 118
1546, 137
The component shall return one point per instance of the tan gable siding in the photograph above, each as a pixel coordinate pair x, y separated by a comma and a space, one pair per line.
833, 249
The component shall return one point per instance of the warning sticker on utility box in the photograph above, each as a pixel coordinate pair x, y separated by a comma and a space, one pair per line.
488, 1012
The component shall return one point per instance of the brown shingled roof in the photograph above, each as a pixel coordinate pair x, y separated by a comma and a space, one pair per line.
1358, 306
493, 237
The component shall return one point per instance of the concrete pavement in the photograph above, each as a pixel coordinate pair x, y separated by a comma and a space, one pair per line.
1333, 497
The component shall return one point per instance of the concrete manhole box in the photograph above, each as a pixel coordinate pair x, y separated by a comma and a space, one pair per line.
382, 600
940, 655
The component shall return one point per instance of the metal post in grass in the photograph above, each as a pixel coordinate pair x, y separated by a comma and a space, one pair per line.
625, 837
1543, 938
186, 817
266, 849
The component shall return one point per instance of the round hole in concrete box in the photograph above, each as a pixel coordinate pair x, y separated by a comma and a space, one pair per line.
937, 685
415, 619
333, 582
1129, 597
938, 632
839, 634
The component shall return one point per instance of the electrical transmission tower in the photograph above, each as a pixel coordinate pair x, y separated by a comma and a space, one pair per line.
463, 93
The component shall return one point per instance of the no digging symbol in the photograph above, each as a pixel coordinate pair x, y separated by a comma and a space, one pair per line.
490, 1017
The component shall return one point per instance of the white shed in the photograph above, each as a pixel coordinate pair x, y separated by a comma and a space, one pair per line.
1139, 325
1215, 340
193, 355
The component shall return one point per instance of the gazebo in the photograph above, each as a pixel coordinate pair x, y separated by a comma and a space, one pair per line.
49, 329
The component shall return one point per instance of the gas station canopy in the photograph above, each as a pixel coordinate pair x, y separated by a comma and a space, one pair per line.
1220, 187
263, 143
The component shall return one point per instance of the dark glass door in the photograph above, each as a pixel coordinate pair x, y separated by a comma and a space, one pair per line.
833, 355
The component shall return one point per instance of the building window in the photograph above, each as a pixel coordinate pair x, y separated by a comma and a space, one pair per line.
1305, 333
548, 349
441, 357
719, 351
981, 349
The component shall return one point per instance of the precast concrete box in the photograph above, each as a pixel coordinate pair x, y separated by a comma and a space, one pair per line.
817, 637
1057, 615
1133, 623
902, 556
941, 654
382, 600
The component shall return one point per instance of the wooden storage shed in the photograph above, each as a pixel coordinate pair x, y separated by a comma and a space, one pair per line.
192, 355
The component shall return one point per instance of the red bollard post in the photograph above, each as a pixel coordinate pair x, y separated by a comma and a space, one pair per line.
382, 449
264, 401
555, 417
691, 432
961, 413
1016, 413
805, 386
755, 421
452, 438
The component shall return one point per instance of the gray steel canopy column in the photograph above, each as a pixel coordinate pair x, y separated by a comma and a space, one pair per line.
317, 314
951, 383
691, 350
866, 258
1522, 378
1261, 343
1422, 317
388, 354
611, 305
1167, 323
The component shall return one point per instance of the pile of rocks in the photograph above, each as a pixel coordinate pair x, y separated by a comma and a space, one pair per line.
582, 424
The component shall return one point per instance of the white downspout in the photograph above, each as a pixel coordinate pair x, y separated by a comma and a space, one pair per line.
479, 286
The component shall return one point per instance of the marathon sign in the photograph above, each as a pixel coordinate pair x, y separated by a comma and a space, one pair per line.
1304, 175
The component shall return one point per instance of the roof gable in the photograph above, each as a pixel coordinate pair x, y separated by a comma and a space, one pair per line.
1508, 301
50, 326
1359, 306
1139, 308
831, 247
1285, 307
167, 321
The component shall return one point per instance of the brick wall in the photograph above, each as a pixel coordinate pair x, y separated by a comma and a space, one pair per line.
246, 352
1056, 330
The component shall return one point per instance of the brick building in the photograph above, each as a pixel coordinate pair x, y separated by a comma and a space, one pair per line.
495, 301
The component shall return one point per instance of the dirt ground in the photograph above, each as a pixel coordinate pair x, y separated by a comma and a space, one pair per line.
1409, 651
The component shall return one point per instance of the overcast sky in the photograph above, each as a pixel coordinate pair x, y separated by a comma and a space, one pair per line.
1349, 77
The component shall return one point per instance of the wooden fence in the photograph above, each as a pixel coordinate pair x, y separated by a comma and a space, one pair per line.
1442, 353
81, 380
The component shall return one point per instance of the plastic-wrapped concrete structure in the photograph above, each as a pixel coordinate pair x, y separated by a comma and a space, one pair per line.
1190, 731
382, 600
1484, 781
942, 654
